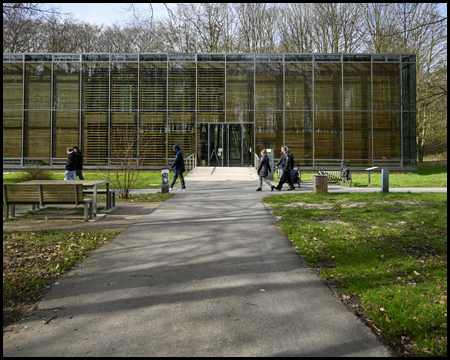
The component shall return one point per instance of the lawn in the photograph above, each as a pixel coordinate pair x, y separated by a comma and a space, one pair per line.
425, 176
385, 254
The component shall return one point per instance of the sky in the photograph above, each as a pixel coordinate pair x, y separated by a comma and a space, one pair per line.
106, 13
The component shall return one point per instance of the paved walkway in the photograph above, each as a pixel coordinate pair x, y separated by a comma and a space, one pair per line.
206, 274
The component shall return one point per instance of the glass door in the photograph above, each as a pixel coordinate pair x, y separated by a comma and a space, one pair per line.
215, 145
235, 145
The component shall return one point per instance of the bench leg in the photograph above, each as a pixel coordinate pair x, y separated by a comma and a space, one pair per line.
114, 198
87, 210
10, 209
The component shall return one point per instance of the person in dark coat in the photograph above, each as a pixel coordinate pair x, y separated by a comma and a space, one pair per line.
71, 165
285, 164
178, 168
79, 157
263, 170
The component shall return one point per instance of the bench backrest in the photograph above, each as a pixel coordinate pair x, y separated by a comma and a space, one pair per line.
42, 194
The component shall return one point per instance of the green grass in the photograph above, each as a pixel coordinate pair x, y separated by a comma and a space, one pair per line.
145, 180
425, 176
33, 259
386, 252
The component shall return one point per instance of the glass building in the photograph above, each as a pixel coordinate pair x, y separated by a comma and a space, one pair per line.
220, 108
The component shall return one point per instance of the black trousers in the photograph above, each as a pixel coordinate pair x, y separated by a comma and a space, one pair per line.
80, 174
285, 175
175, 177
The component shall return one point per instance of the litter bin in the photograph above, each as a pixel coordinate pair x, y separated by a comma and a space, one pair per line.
385, 180
320, 184
164, 181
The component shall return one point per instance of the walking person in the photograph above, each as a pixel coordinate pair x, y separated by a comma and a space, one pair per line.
71, 165
285, 165
263, 170
178, 168
291, 164
79, 157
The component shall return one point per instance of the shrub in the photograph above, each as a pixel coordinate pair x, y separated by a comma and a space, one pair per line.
35, 173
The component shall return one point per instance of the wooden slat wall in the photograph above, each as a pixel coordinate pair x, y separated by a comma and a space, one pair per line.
67, 86
269, 86
12, 134
181, 132
328, 135
211, 86
153, 86
386, 135
38, 86
299, 135
240, 86
327, 86
152, 135
37, 134
357, 135
182, 86
298, 86
124, 86
95, 136
268, 131
12, 86
386, 87
95, 86
65, 131
123, 135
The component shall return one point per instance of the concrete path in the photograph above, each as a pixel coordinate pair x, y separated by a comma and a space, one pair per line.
206, 274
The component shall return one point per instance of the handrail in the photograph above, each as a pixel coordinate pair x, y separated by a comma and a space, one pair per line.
256, 161
190, 162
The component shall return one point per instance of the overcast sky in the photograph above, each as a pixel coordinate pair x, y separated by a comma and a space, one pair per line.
104, 13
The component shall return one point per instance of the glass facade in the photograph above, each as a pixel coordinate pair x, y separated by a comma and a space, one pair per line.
223, 108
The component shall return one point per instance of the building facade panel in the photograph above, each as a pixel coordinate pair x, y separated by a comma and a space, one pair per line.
223, 108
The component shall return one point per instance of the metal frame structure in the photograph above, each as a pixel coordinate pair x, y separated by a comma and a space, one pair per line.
402, 163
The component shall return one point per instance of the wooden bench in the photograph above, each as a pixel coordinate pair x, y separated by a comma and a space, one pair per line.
110, 201
333, 176
45, 194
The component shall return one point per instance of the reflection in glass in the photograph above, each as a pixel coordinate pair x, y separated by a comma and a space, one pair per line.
386, 87
299, 136
12, 86
153, 86
409, 139
268, 131
152, 136
95, 137
66, 84
124, 86
298, 86
38, 86
123, 135
95, 94
357, 94
182, 86
211, 86
409, 86
37, 129
65, 132
328, 135
386, 135
12, 134
358, 137
240, 86
327, 86
181, 127
269, 86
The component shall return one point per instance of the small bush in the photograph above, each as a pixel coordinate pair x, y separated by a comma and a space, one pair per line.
35, 173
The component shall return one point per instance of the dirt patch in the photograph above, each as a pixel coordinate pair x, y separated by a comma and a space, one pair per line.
309, 206
72, 218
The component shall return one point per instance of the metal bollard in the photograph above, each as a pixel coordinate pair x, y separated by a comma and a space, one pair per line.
164, 181
385, 180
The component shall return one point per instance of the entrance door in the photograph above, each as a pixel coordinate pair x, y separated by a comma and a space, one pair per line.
229, 145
